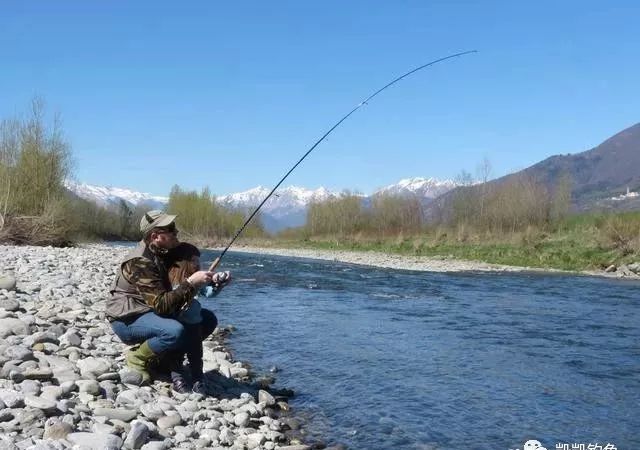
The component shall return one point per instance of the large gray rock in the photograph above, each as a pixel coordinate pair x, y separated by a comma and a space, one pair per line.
156, 445
63, 369
138, 435
169, 421
56, 429
40, 337
268, 399
10, 304
131, 377
126, 415
52, 392
11, 398
19, 353
44, 404
241, 419
255, 440
226, 436
10, 325
7, 282
70, 339
151, 411
45, 374
30, 387
89, 386
95, 441
93, 367
635, 267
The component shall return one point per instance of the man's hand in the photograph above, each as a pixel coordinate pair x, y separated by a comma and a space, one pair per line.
200, 278
218, 281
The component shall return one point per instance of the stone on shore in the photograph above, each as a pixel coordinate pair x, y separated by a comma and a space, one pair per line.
93, 367
10, 325
44, 404
125, 415
95, 441
138, 435
56, 429
167, 422
7, 282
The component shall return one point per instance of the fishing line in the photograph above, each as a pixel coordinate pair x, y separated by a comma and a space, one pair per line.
361, 104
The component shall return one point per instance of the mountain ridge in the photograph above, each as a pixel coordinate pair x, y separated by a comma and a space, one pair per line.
286, 208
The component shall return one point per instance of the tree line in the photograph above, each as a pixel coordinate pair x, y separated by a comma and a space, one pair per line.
347, 214
203, 219
36, 208
507, 207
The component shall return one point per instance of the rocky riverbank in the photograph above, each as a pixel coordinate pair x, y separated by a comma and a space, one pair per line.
63, 382
426, 263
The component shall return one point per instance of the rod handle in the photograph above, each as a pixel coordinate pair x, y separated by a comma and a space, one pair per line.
214, 264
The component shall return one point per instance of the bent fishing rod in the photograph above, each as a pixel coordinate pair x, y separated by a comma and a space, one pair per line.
361, 104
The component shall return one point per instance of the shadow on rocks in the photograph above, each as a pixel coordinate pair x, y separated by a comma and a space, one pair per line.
223, 387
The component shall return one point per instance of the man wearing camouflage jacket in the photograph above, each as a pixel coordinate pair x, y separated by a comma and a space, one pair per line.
143, 306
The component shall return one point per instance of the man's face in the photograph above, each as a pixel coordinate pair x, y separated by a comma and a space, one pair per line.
166, 238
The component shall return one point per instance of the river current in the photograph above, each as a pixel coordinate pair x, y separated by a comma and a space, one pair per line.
388, 359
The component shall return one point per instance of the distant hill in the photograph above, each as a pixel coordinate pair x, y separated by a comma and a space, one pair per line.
605, 177
287, 208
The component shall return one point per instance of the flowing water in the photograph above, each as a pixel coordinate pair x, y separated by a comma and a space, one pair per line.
387, 359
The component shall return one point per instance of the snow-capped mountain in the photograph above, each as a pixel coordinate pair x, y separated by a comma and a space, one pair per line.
425, 188
286, 208
111, 196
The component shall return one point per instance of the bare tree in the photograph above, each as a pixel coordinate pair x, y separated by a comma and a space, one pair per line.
484, 173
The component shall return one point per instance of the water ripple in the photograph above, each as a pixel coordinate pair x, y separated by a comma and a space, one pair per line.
385, 359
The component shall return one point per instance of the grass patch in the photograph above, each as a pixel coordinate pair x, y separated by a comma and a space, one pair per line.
583, 242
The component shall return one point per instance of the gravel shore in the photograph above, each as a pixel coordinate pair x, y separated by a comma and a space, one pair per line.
64, 383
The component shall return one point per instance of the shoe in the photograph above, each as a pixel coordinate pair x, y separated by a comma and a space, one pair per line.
140, 359
178, 383
165, 363
199, 388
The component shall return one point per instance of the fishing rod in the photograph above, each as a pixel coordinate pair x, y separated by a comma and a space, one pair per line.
361, 104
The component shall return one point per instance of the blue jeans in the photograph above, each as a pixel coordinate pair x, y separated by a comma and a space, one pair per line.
163, 333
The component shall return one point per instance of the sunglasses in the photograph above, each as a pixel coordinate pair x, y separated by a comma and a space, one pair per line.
170, 229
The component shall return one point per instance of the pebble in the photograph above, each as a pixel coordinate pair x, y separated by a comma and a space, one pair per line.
138, 435
64, 382
7, 282
95, 441
126, 415
93, 367
30, 387
47, 405
89, 386
11, 326
9, 304
44, 374
169, 421
131, 377
11, 398
266, 398
55, 429
151, 411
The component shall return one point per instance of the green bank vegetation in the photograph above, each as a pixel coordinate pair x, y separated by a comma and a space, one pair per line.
520, 222
35, 206
37, 209
205, 222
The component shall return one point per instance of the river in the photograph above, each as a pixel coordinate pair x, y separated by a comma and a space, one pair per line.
388, 359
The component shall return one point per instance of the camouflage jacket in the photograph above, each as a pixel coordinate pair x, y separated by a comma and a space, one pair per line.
142, 284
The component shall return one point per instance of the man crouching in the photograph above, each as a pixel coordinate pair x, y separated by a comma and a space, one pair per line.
144, 306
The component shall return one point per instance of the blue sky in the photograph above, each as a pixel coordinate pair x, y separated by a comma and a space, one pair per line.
231, 94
